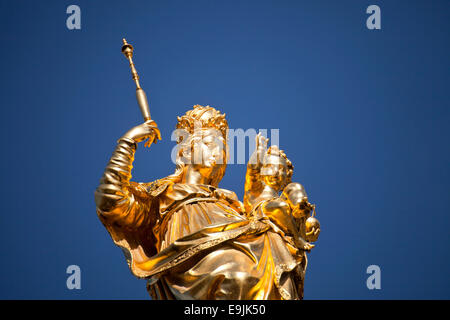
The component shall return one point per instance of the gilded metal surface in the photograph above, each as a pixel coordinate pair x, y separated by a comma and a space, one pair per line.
194, 240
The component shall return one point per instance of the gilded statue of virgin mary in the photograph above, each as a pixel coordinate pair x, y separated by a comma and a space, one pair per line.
191, 239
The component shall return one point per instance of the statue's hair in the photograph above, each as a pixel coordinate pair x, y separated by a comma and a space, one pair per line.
274, 150
198, 117
203, 117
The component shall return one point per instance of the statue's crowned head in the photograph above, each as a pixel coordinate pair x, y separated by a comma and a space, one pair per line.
202, 141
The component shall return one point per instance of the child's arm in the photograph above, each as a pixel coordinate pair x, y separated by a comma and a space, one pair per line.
295, 195
253, 181
279, 212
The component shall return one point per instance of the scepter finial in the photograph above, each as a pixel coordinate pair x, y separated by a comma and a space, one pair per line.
127, 49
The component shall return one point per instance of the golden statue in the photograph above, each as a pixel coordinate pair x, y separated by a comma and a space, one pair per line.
192, 240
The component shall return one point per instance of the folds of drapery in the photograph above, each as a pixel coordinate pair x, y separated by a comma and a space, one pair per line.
194, 244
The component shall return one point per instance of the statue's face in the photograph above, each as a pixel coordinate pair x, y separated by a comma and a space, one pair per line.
209, 149
208, 153
274, 171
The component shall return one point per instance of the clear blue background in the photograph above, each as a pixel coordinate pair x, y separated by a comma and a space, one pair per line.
363, 115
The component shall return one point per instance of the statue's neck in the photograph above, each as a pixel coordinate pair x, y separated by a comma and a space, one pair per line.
195, 176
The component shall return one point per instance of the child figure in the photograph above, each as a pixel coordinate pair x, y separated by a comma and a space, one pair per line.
268, 173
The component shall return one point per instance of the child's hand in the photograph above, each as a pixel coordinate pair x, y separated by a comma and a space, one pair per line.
257, 157
261, 141
261, 147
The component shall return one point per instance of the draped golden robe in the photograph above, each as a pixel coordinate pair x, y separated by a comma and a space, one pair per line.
194, 241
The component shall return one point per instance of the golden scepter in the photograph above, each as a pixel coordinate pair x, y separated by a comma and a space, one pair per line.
127, 50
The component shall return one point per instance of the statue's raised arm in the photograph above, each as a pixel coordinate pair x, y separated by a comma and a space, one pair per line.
117, 199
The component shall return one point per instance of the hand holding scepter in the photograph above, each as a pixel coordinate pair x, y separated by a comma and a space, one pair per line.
148, 129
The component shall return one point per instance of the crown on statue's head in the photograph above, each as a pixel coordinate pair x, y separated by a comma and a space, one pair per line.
201, 117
